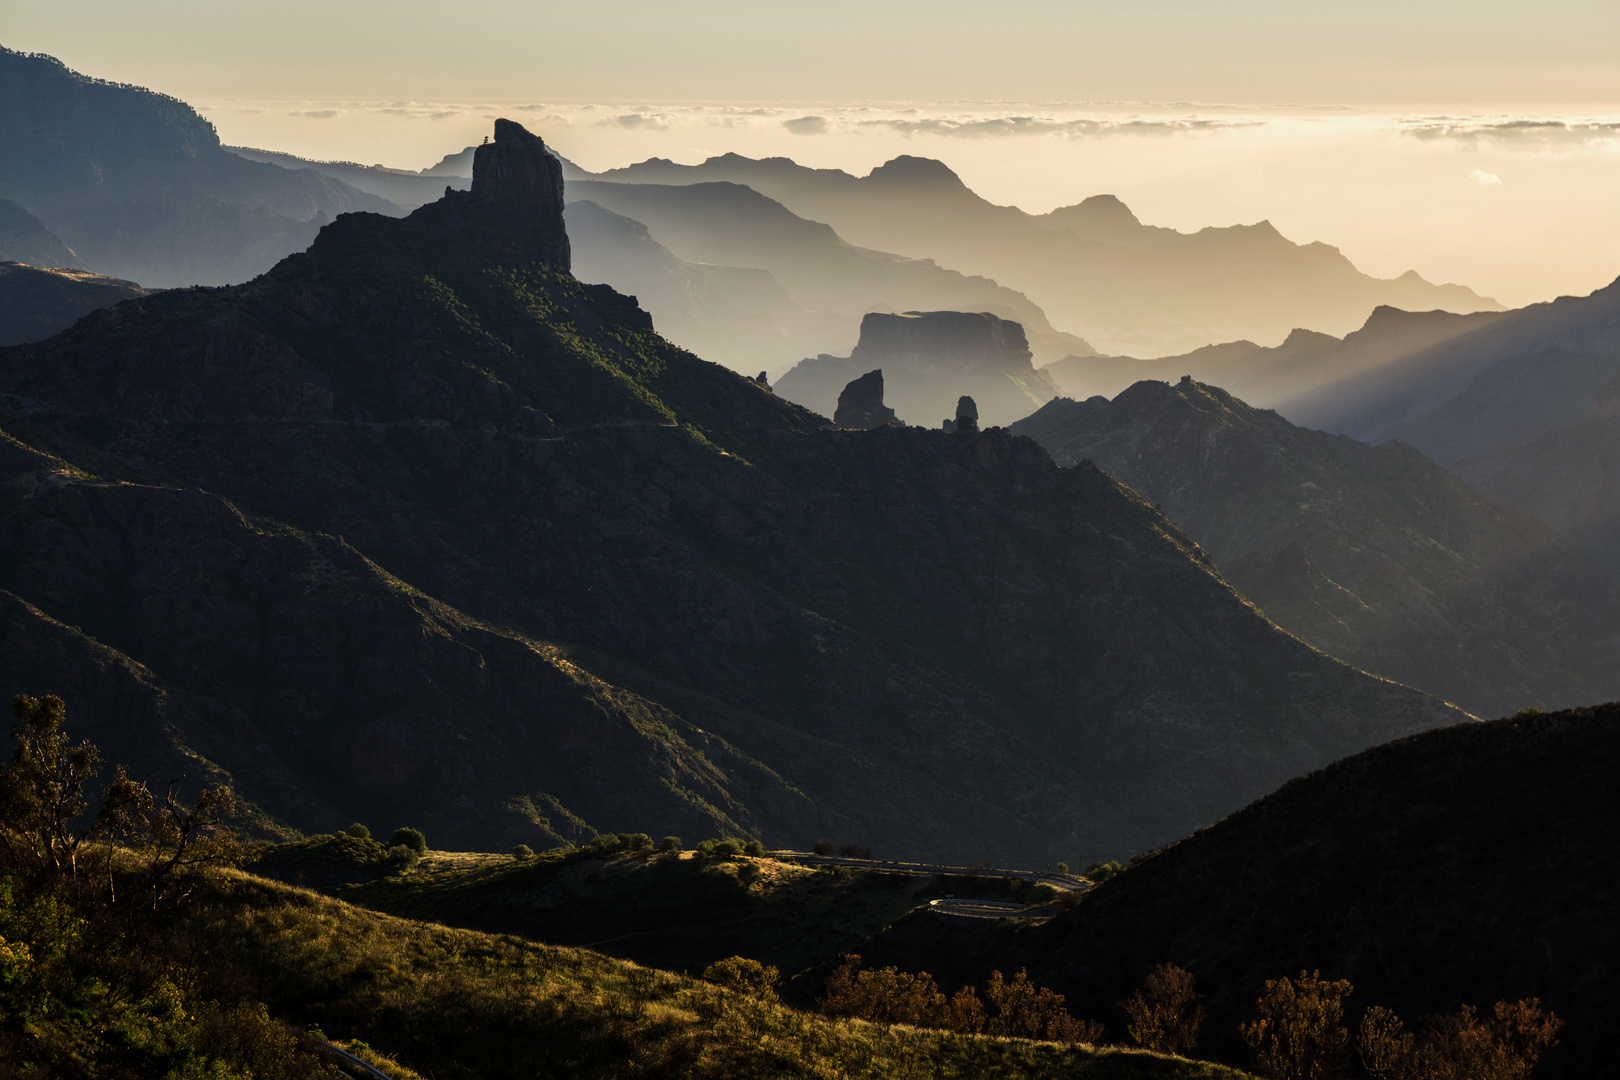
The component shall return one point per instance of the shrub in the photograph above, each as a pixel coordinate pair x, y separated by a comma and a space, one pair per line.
1099, 872
670, 845
1063, 868
398, 859
1460, 1045
729, 848
411, 838
854, 851
753, 847
358, 831
745, 976
1164, 1014
822, 847
522, 851
1528, 714
706, 849
1300, 1034
635, 841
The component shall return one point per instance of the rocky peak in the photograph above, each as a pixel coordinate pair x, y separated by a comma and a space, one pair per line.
515, 208
861, 403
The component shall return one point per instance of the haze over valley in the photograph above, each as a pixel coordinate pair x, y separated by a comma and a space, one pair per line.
587, 541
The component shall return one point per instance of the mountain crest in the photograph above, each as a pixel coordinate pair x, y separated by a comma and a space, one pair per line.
907, 169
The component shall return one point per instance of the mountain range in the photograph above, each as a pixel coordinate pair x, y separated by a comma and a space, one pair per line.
1373, 554
1093, 266
417, 523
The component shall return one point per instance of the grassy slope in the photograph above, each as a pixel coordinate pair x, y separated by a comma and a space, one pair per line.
458, 1003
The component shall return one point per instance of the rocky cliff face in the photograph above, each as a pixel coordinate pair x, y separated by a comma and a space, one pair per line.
1373, 554
25, 239
427, 531
932, 359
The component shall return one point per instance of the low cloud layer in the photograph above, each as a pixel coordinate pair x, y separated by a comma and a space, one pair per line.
1530, 133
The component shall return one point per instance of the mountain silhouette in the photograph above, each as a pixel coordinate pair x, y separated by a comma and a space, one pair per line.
417, 523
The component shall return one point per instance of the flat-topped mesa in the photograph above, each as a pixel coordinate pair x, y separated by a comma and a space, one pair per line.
515, 208
941, 341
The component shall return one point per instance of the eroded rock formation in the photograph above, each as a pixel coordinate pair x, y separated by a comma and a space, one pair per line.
861, 403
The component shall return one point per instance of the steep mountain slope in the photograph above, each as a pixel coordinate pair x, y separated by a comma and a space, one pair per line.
734, 315
1128, 287
1463, 866
1503, 383
36, 303
137, 183
1569, 478
932, 359
732, 225
25, 239
1373, 554
931, 643
405, 189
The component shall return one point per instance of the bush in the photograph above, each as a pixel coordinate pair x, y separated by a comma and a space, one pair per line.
411, 838
358, 831
822, 847
1164, 1014
729, 848
854, 851
523, 851
1063, 868
1505, 1046
744, 976
1099, 872
635, 841
398, 859
670, 845
753, 847
1300, 1034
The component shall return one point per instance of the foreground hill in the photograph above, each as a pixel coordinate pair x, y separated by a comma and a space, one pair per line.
1373, 554
1463, 866
1127, 286
139, 186
431, 525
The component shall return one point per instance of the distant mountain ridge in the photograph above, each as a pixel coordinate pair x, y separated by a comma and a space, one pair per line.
729, 224
1125, 286
137, 183
1373, 554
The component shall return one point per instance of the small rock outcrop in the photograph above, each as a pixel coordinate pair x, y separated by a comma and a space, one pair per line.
931, 358
861, 403
967, 417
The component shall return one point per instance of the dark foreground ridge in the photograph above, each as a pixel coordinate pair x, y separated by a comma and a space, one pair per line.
1462, 866
416, 525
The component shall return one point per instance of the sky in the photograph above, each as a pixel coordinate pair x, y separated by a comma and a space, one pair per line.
1474, 142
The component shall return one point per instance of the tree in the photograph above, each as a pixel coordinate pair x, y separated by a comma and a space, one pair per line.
42, 790
1300, 1034
670, 845
822, 847
522, 851
358, 831
43, 803
1164, 1014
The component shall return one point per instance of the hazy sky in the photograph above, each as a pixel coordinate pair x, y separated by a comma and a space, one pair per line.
1474, 142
